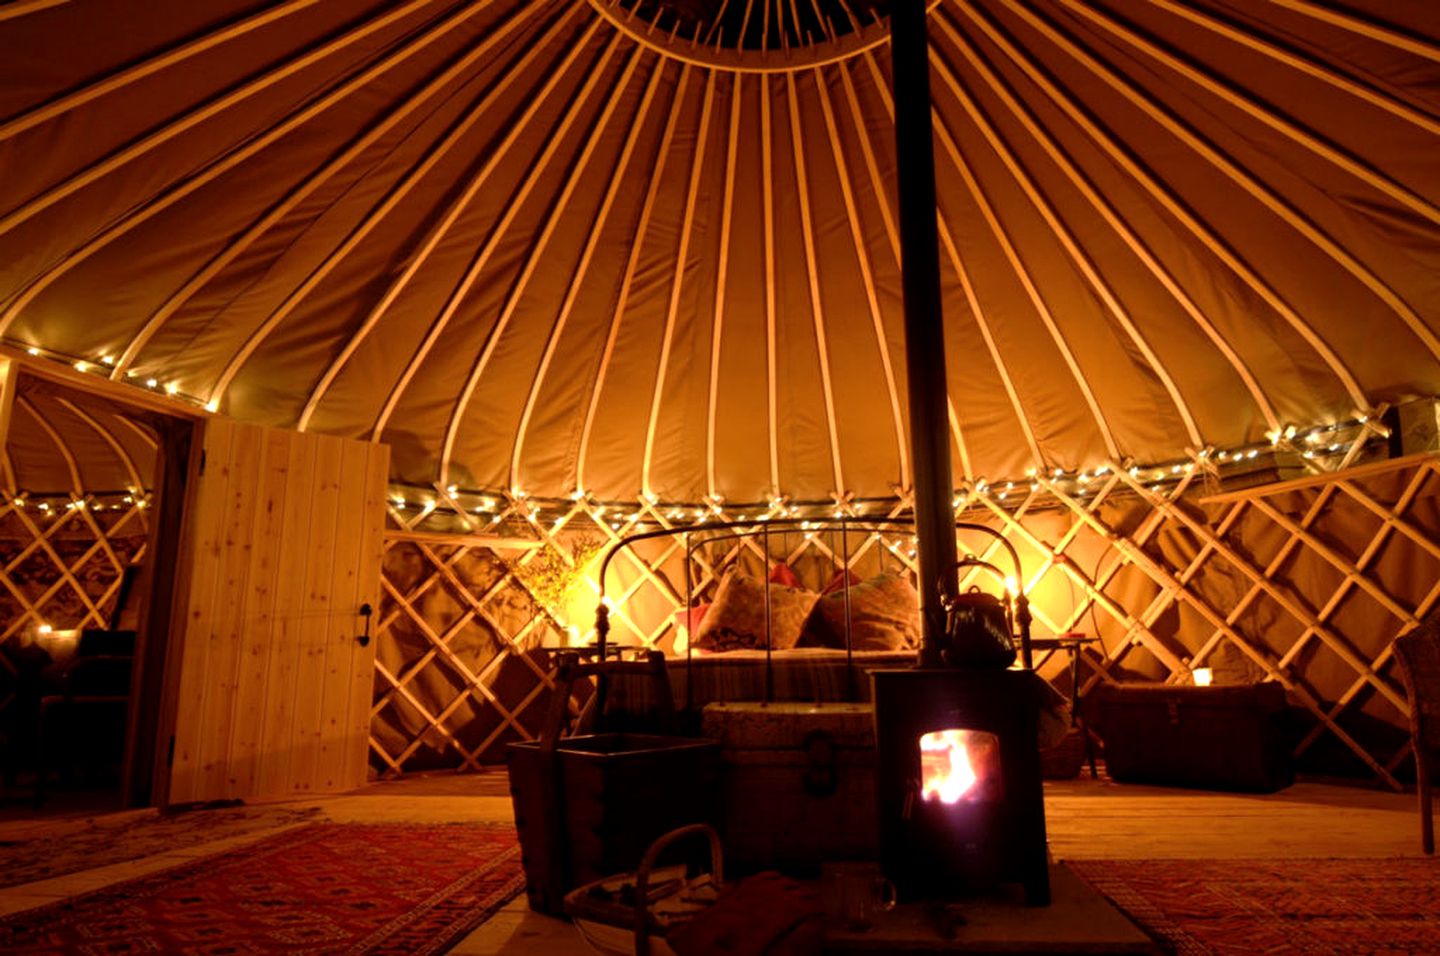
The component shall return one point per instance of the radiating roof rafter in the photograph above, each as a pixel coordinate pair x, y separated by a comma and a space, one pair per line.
631, 251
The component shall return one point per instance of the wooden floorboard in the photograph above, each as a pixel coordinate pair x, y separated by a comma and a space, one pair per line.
1099, 819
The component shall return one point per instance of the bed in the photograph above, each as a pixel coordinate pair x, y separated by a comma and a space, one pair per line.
773, 612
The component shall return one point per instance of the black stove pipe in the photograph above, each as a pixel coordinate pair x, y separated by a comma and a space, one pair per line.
924, 321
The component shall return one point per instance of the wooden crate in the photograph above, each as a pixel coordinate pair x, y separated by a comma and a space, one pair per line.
589, 808
798, 783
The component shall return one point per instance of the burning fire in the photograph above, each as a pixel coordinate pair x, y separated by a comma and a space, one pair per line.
953, 761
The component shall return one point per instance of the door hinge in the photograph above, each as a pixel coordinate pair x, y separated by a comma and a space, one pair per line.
170, 752
202, 461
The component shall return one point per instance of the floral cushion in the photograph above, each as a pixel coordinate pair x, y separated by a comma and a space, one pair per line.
736, 619
884, 615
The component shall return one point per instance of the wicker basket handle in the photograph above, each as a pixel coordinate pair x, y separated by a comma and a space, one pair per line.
647, 863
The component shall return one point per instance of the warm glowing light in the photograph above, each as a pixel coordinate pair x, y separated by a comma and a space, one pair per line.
1203, 676
1011, 584
33, 350
152, 382
213, 405
107, 360
82, 366
44, 629
957, 765
171, 388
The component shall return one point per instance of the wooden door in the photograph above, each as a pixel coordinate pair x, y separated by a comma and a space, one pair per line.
282, 546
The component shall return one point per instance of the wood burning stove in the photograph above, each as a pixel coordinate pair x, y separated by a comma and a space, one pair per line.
958, 781
958, 785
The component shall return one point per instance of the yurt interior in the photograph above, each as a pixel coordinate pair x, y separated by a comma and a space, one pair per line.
719, 476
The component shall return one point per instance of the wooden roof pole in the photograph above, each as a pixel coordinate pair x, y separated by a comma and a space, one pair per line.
924, 320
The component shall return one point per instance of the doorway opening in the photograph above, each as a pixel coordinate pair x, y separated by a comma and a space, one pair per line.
89, 534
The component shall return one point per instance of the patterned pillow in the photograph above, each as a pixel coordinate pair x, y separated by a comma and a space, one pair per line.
736, 620
884, 615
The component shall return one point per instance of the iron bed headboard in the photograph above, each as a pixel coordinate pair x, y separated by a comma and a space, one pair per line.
762, 528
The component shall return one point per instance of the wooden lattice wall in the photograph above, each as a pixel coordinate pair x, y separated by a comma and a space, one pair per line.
73, 517
60, 570
1305, 582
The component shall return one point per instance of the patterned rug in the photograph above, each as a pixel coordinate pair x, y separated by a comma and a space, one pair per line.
103, 841
1277, 907
324, 888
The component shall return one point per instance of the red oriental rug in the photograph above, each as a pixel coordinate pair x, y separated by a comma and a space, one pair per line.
322, 888
1278, 907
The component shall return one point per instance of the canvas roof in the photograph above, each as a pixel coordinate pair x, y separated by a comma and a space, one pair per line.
603, 246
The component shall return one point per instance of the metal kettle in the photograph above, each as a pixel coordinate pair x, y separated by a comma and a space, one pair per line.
978, 631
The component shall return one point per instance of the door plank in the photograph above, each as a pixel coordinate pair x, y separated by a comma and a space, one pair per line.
201, 554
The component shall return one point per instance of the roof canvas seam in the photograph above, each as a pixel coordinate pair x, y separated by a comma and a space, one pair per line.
118, 80
1278, 205
952, 250
1113, 217
213, 108
1067, 240
1310, 67
442, 227
286, 204
378, 212
867, 277
155, 204
108, 437
767, 199
77, 486
667, 337
552, 221
499, 228
1379, 32
1161, 192
721, 276
632, 263
1247, 104
817, 314
616, 183
1027, 281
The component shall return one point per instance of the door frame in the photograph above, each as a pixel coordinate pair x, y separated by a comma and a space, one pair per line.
179, 431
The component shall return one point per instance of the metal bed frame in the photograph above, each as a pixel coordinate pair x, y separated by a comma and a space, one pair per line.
735, 530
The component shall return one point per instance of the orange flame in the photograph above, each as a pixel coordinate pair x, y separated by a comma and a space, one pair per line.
952, 762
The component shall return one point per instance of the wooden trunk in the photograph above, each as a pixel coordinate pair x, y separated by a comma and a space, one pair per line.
798, 783
1224, 738
590, 808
